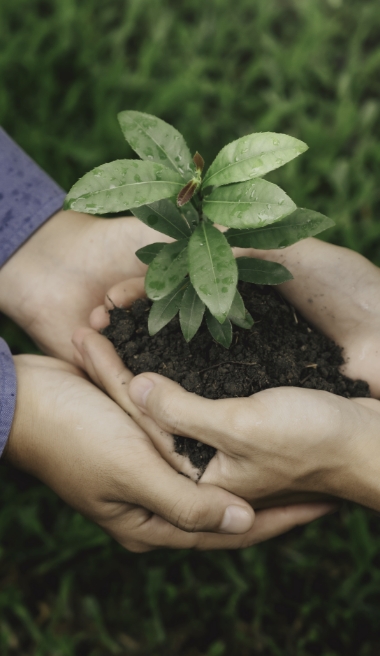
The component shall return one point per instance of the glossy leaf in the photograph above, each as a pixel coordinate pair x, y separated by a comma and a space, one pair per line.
221, 332
191, 313
190, 214
167, 270
147, 254
252, 157
164, 217
122, 185
238, 313
248, 204
296, 226
164, 310
246, 323
186, 194
212, 269
153, 139
262, 272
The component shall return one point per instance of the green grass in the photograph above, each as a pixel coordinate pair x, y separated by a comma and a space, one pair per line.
216, 70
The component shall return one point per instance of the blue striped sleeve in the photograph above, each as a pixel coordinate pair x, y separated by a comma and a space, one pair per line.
28, 197
8, 388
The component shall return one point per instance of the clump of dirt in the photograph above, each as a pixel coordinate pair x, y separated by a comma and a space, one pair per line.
280, 349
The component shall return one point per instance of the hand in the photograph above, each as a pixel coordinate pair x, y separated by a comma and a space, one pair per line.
277, 443
334, 288
54, 281
338, 291
75, 439
108, 372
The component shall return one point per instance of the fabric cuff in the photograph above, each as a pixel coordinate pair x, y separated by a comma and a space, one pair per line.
8, 389
28, 197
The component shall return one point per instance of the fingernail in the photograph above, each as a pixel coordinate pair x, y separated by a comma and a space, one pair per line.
236, 520
139, 390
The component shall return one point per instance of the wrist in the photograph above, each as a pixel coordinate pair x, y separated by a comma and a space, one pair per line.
358, 476
29, 271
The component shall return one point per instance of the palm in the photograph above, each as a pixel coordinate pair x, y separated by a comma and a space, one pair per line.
338, 291
65, 270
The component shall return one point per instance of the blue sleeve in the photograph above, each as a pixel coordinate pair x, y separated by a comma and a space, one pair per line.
28, 197
8, 386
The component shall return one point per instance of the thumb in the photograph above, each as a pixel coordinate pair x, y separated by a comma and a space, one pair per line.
183, 413
158, 487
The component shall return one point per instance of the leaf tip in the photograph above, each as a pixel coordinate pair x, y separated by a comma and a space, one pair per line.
199, 162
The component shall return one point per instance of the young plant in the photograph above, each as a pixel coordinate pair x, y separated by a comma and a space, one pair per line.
197, 274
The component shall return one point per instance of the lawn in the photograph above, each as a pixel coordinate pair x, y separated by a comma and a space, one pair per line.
216, 70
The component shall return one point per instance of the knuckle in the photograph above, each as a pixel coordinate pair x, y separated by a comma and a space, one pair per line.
192, 518
171, 413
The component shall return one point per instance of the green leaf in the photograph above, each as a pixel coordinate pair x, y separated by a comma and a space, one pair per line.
147, 253
122, 185
252, 157
167, 270
212, 269
164, 217
153, 139
164, 310
246, 323
248, 204
191, 313
296, 226
238, 313
262, 272
221, 332
191, 215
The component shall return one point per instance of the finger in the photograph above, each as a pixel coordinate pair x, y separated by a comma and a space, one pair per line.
108, 372
124, 293
139, 532
156, 485
79, 336
275, 521
99, 318
181, 412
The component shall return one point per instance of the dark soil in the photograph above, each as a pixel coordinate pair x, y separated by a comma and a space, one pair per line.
281, 349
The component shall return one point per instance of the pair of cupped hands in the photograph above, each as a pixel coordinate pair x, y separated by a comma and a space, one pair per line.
101, 439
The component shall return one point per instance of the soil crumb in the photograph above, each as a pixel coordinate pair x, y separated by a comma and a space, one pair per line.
280, 349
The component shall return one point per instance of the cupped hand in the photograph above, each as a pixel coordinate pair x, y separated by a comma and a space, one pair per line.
275, 444
64, 270
107, 371
74, 438
334, 288
338, 291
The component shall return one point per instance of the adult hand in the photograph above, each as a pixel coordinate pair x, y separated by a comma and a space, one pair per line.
74, 438
108, 372
275, 444
334, 288
338, 291
54, 281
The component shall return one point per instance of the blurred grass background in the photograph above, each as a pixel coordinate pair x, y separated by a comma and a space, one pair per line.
216, 70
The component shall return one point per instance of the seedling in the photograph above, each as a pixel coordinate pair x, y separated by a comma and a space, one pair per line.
197, 274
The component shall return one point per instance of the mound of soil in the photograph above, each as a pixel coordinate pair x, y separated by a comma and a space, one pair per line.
280, 349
